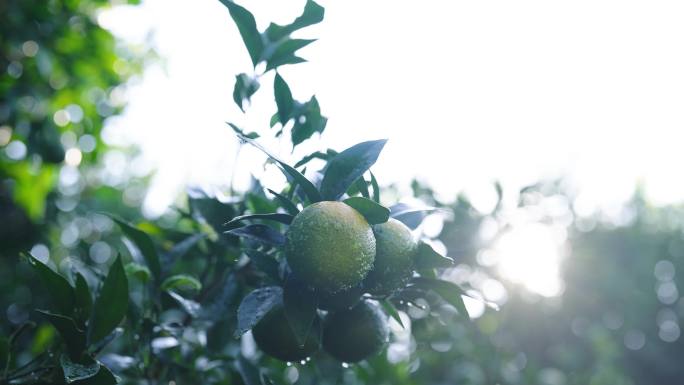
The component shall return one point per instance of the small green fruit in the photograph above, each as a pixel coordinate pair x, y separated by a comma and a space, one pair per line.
330, 246
355, 334
396, 250
274, 337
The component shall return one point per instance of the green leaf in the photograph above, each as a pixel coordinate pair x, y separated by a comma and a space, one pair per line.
143, 241
75, 371
449, 291
362, 187
138, 271
265, 262
308, 120
181, 281
260, 233
312, 14
411, 216
300, 308
248, 30
255, 306
191, 307
277, 217
316, 155
309, 189
428, 258
284, 53
248, 372
73, 337
245, 87
376, 188
251, 135
285, 203
111, 303
392, 311
372, 211
283, 98
103, 377
347, 166
84, 301
60, 291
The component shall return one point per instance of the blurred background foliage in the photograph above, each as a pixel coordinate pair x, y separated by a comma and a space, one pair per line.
614, 321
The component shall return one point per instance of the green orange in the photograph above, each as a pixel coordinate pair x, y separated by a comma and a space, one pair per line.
330, 246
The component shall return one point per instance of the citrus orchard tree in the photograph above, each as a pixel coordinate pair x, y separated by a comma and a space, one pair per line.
248, 288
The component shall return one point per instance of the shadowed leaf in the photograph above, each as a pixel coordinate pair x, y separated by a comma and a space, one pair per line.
111, 303
261, 233
255, 306
60, 291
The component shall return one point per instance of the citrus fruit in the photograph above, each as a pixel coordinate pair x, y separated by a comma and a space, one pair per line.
355, 334
395, 253
330, 246
341, 300
274, 337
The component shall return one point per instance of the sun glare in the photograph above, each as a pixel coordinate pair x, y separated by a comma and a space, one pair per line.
530, 255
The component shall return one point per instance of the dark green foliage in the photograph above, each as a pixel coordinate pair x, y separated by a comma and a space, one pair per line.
372, 211
347, 166
111, 304
356, 334
256, 305
428, 258
143, 241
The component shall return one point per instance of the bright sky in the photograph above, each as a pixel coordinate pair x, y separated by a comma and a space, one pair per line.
468, 92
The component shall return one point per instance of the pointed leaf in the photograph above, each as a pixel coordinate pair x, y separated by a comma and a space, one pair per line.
449, 291
409, 215
285, 203
315, 155
392, 311
308, 121
283, 98
312, 14
376, 188
347, 166
373, 212
60, 291
75, 371
261, 233
428, 258
300, 308
284, 53
255, 306
248, 30
277, 217
84, 301
181, 281
73, 337
245, 87
143, 241
362, 187
251, 135
111, 303
309, 189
